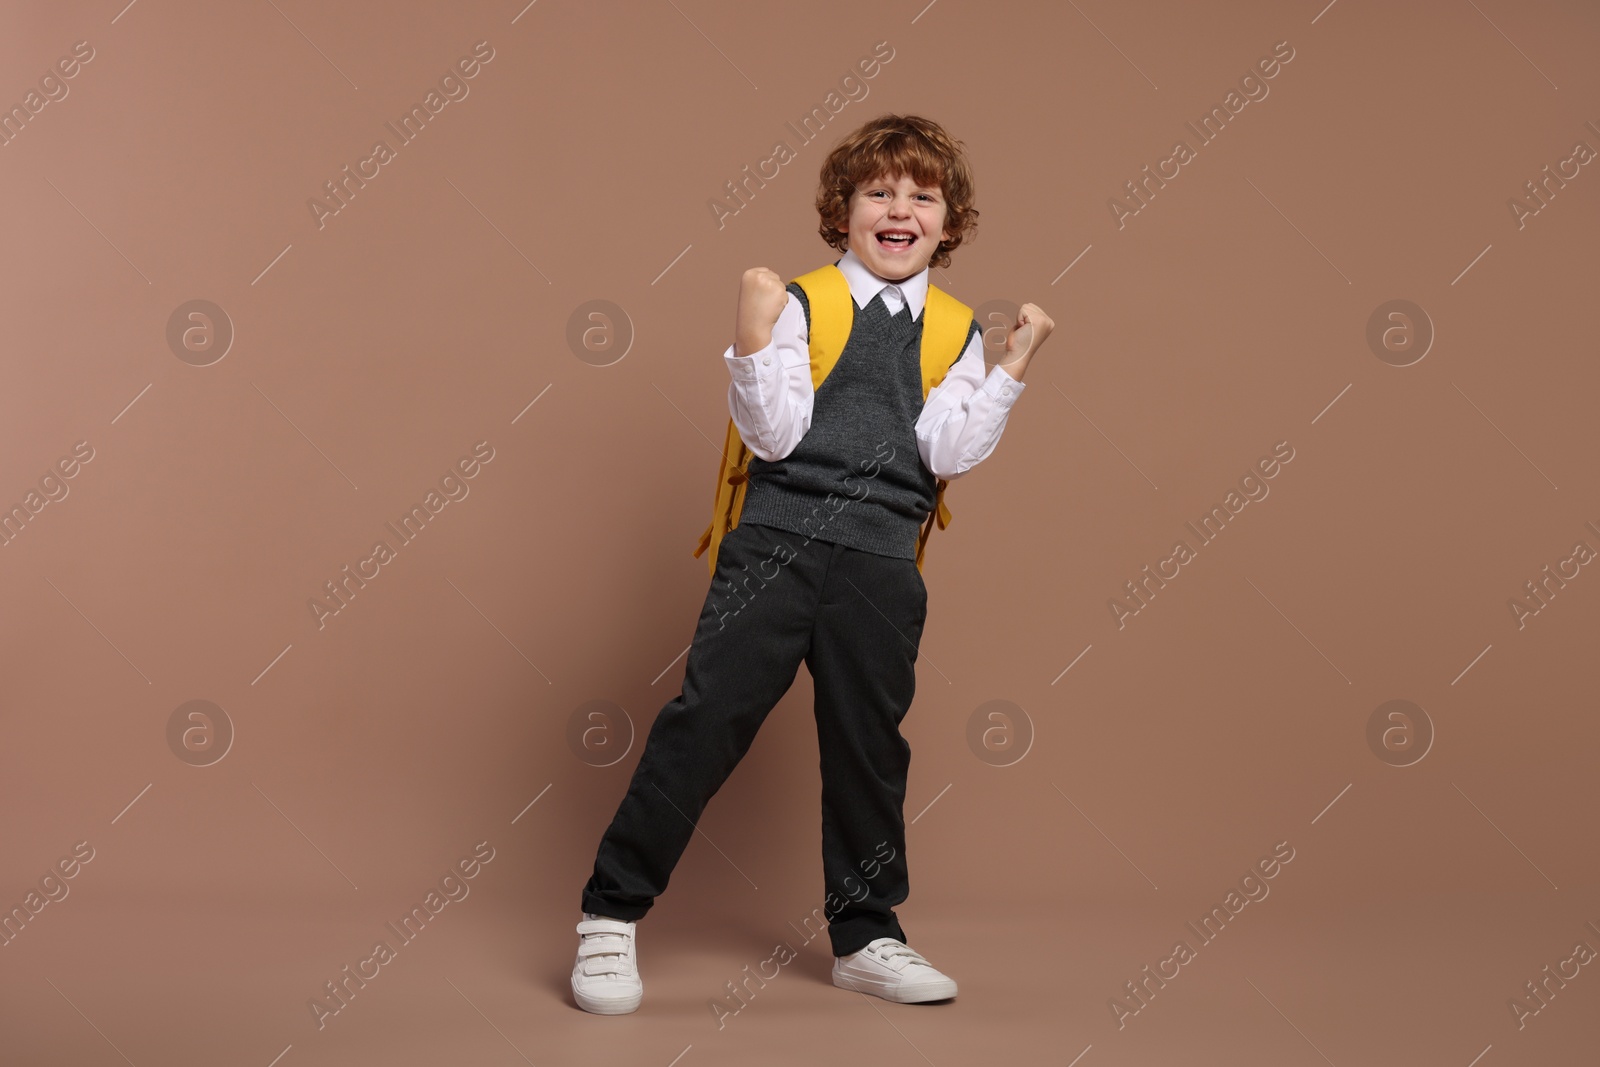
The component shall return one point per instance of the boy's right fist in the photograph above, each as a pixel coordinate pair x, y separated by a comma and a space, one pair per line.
762, 297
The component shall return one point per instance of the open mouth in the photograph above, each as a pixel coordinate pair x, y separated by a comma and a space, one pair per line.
897, 239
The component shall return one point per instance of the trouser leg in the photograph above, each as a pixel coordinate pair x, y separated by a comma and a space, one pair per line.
863, 662
753, 632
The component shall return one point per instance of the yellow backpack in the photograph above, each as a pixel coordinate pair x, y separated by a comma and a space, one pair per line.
946, 323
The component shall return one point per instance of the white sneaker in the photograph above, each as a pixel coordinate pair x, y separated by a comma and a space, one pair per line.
605, 976
894, 971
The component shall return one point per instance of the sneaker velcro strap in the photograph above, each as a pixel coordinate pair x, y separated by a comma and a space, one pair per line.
899, 955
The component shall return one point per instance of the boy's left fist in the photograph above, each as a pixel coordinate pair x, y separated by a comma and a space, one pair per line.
1033, 326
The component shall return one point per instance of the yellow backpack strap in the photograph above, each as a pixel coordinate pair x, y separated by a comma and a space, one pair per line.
827, 288
728, 500
946, 323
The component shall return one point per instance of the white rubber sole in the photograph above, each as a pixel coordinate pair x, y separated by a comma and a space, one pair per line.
608, 1005
897, 993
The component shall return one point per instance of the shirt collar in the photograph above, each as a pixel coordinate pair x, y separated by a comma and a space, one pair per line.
864, 285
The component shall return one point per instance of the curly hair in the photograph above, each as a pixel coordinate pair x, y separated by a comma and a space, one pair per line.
892, 146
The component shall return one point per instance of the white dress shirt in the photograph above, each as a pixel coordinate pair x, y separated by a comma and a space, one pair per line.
770, 397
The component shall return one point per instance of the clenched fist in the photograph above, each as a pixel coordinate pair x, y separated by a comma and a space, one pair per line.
762, 297
1032, 327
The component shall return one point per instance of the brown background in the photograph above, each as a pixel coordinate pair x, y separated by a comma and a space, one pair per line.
370, 353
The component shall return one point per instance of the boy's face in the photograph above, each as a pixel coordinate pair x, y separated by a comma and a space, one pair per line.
896, 205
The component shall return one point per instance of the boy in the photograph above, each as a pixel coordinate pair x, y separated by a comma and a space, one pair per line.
848, 599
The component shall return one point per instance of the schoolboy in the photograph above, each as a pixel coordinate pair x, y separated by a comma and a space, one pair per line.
848, 598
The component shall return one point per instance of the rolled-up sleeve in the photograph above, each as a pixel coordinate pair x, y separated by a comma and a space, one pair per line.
965, 414
770, 395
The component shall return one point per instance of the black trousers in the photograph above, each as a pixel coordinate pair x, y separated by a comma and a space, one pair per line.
776, 599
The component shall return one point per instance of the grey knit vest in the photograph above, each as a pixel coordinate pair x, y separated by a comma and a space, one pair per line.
856, 477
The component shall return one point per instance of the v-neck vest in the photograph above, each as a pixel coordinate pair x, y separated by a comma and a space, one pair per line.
856, 477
